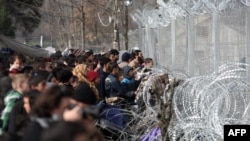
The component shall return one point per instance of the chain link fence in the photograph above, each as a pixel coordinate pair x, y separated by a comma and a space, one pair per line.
198, 44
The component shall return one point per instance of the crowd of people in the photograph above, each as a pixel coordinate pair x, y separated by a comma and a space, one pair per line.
55, 98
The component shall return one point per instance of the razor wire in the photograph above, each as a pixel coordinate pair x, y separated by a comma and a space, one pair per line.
200, 105
203, 104
162, 14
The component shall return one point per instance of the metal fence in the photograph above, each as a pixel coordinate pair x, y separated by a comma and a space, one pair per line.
195, 43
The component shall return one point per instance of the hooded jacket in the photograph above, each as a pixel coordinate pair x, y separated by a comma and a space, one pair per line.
127, 79
130, 82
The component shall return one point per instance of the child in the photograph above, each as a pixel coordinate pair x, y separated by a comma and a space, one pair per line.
16, 62
20, 86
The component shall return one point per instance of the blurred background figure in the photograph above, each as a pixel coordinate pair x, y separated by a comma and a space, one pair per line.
16, 62
48, 109
19, 87
70, 131
113, 55
125, 60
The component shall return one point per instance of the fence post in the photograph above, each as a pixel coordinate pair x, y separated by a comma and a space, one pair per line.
191, 45
215, 40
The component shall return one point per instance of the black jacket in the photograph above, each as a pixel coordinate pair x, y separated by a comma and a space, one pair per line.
36, 127
33, 132
113, 87
18, 118
101, 85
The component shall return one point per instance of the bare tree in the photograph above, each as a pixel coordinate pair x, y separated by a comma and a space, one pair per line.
74, 23
89, 23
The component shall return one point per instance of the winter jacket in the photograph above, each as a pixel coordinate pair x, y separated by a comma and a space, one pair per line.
130, 83
18, 118
101, 85
9, 101
113, 87
37, 126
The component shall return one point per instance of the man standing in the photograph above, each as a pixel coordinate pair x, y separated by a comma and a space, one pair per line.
137, 61
114, 55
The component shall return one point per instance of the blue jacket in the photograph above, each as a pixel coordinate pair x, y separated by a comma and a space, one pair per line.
130, 83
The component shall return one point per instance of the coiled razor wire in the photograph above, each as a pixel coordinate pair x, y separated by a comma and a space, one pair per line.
203, 104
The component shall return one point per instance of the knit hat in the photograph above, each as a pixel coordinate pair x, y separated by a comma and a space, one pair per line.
92, 75
64, 76
125, 56
83, 93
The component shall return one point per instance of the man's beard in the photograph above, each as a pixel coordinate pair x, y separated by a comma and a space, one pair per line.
141, 60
